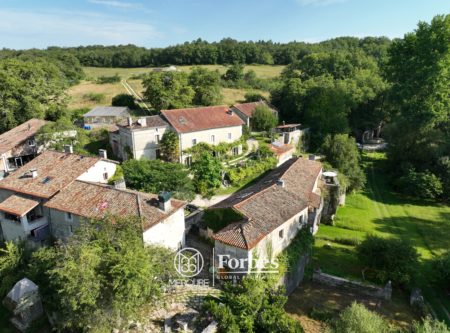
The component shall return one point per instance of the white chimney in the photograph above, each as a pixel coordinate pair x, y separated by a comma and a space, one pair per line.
142, 122
34, 173
102, 153
164, 201
280, 182
68, 149
130, 121
120, 184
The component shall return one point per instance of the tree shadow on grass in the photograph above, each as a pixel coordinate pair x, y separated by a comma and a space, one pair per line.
429, 235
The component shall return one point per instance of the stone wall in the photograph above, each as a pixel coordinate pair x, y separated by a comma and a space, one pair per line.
294, 277
366, 289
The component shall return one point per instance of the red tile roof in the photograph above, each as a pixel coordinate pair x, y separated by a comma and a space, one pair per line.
19, 134
92, 200
18, 205
55, 170
203, 118
267, 205
280, 150
249, 108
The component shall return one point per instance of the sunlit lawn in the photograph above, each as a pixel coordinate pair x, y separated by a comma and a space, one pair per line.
378, 210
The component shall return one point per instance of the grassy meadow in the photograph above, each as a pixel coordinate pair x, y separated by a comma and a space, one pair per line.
380, 211
81, 95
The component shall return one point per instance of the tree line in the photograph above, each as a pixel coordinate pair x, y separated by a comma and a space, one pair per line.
201, 52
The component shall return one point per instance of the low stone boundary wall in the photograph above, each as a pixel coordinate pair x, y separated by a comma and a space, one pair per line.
366, 289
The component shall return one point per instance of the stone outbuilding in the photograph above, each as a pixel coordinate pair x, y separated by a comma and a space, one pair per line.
25, 303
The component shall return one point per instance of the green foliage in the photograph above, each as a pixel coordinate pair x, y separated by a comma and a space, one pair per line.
429, 325
423, 185
118, 175
154, 176
218, 218
239, 175
441, 270
124, 100
389, 258
254, 305
168, 90
11, 264
108, 79
94, 97
254, 97
206, 85
417, 70
170, 146
30, 89
341, 152
207, 172
234, 73
357, 319
299, 246
105, 274
263, 119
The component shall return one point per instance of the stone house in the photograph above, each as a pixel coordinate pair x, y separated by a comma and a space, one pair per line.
105, 116
162, 217
245, 110
18, 145
138, 138
273, 211
290, 134
211, 124
283, 152
25, 191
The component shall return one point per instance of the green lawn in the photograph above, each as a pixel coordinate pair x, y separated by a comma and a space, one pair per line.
378, 210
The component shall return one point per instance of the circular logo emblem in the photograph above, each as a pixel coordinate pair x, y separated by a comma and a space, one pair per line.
188, 262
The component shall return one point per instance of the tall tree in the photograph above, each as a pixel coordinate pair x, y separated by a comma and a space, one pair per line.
263, 118
207, 173
206, 85
168, 90
170, 146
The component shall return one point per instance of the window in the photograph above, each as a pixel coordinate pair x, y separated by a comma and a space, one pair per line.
12, 217
157, 139
213, 138
158, 153
229, 136
281, 233
69, 216
188, 161
71, 229
194, 142
105, 176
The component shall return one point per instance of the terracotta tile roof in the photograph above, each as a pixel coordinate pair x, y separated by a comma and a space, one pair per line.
281, 149
288, 126
267, 205
151, 121
55, 170
203, 118
18, 205
249, 108
19, 134
92, 200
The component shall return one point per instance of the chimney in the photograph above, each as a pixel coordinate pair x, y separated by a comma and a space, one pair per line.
68, 149
120, 184
142, 122
230, 112
102, 153
280, 182
130, 121
34, 173
164, 201
312, 157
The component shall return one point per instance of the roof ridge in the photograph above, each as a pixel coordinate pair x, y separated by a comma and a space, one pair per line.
198, 107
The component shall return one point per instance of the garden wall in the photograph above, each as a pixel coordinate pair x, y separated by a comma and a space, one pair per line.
292, 279
366, 289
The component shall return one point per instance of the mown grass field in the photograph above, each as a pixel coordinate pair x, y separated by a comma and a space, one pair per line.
380, 211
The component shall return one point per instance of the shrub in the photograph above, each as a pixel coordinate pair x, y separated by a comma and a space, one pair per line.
391, 259
254, 97
263, 119
430, 325
108, 79
441, 270
357, 319
124, 100
424, 185
93, 97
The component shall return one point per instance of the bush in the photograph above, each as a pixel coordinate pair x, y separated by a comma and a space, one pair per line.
254, 168
108, 79
93, 97
357, 319
391, 259
441, 270
430, 325
263, 119
254, 97
124, 100
423, 185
